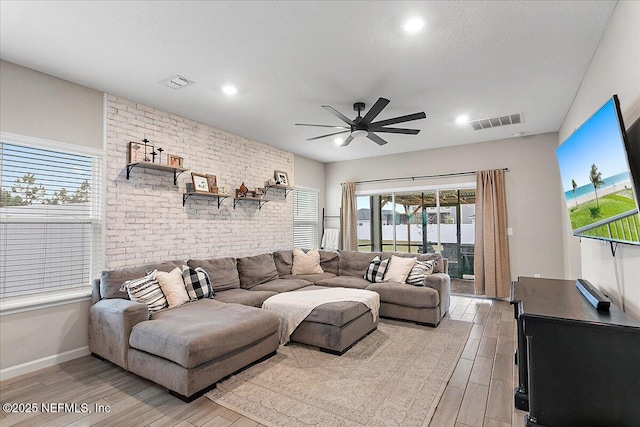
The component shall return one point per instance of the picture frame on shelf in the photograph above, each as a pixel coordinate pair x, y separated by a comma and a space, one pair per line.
174, 161
213, 183
200, 183
139, 152
281, 178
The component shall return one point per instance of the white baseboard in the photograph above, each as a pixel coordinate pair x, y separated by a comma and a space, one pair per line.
45, 362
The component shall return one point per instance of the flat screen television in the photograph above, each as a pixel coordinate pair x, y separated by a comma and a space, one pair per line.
599, 165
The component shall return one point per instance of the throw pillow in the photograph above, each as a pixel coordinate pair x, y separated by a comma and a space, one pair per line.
399, 269
419, 271
376, 270
308, 263
146, 290
172, 286
197, 283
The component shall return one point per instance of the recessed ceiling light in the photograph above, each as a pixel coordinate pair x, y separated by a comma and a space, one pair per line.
461, 120
229, 90
338, 141
413, 25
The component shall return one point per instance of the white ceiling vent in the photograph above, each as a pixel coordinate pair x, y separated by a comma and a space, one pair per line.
177, 82
494, 122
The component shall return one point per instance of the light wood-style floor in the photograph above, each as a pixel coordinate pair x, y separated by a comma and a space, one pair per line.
480, 392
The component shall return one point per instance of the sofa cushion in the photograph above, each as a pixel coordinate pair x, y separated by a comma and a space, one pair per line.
376, 270
283, 261
282, 285
420, 270
222, 272
172, 286
202, 331
309, 277
306, 263
353, 263
112, 280
406, 295
329, 261
197, 282
252, 297
438, 266
345, 282
254, 270
399, 269
146, 290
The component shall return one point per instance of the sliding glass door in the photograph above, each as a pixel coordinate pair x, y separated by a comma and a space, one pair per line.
421, 222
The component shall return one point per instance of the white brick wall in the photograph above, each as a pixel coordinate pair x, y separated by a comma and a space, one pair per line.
145, 220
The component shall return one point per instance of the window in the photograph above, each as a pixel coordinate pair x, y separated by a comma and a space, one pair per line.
305, 218
50, 217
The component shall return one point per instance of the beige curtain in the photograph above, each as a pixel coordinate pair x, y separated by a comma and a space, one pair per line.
348, 226
491, 251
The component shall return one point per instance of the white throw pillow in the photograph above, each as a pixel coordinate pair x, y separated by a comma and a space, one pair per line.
172, 286
399, 269
308, 263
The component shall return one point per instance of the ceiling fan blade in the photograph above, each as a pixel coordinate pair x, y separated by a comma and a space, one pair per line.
347, 141
324, 136
375, 138
323, 126
374, 111
338, 114
407, 118
396, 130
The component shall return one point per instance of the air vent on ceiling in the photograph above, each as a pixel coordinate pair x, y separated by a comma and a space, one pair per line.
177, 82
494, 122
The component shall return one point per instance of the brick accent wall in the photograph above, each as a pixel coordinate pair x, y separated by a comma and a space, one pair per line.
145, 219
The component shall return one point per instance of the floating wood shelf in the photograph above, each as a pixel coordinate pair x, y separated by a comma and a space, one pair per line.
219, 197
157, 166
260, 202
287, 189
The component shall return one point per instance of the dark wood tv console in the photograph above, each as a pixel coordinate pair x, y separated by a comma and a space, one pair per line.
576, 366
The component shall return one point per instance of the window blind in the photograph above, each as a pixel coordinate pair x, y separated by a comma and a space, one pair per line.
305, 218
50, 219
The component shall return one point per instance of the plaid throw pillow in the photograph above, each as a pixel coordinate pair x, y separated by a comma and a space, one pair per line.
147, 291
419, 271
197, 282
375, 271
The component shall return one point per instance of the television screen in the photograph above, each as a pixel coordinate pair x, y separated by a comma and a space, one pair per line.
597, 181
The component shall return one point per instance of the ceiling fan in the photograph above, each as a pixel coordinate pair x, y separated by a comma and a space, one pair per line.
365, 126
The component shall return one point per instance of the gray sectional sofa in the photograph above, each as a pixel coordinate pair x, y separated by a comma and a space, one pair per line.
189, 348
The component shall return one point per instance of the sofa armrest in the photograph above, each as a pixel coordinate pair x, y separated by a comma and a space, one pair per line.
110, 324
441, 282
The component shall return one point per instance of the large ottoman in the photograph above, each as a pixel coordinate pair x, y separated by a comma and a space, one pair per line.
335, 327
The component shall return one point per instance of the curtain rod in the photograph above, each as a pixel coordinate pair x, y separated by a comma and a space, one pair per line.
413, 178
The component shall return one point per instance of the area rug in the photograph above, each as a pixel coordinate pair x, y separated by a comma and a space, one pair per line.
395, 376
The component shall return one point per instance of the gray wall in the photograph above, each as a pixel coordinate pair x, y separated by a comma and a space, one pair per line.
614, 69
534, 196
41, 106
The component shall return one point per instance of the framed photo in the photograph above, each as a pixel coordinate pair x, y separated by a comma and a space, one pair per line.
200, 183
281, 178
138, 152
213, 183
173, 160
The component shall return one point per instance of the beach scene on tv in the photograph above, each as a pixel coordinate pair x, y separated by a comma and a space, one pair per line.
596, 180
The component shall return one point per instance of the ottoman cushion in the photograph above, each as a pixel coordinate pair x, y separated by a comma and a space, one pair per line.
201, 331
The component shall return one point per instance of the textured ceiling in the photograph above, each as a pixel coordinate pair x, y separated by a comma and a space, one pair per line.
483, 59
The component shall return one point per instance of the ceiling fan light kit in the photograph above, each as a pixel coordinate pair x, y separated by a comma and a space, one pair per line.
365, 126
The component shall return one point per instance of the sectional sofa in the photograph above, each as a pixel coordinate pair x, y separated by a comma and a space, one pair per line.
188, 348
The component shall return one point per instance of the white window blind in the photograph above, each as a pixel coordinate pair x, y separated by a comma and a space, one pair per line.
50, 218
305, 218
